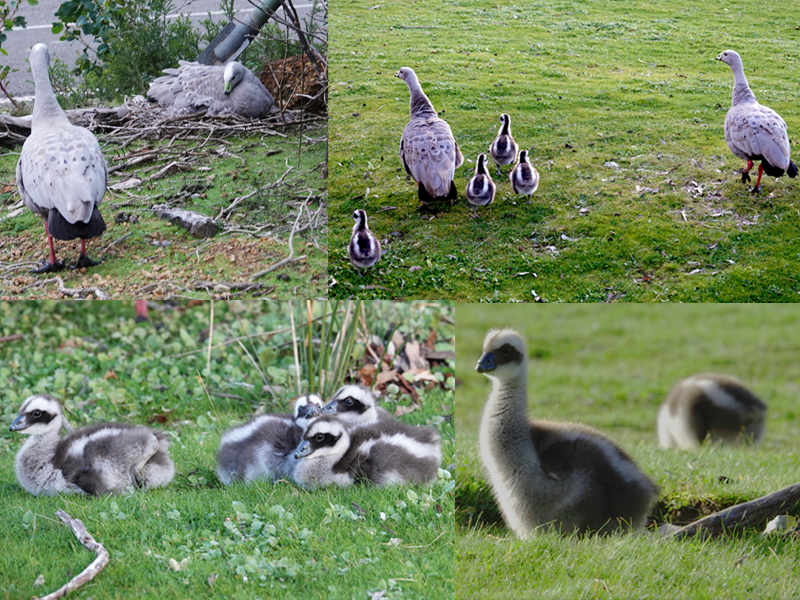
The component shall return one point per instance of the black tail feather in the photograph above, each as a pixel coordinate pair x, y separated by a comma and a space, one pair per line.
61, 229
792, 170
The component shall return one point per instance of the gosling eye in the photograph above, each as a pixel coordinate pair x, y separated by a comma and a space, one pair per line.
348, 402
37, 414
320, 437
505, 350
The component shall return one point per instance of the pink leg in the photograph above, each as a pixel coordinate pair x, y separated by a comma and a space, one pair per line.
53, 265
141, 311
758, 183
50, 240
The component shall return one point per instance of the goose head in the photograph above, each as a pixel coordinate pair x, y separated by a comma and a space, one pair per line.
730, 57
407, 74
353, 403
326, 436
503, 355
306, 408
40, 414
232, 76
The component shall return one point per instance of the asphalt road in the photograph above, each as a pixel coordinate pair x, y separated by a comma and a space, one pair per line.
40, 19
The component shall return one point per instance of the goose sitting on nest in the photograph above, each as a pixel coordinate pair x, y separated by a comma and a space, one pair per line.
710, 405
381, 453
503, 149
428, 149
481, 188
263, 448
217, 89
524, 177
364, 248
61, 173
545, 474
94, 460
753, 131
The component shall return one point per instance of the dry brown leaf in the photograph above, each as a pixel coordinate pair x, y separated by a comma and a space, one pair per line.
385, 377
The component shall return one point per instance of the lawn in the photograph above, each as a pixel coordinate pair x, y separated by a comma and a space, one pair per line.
622, 108
610, 368
196, 538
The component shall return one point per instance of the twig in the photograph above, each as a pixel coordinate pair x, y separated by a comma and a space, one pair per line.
90, 572
99, 294
288, 259
748, 514
12, 338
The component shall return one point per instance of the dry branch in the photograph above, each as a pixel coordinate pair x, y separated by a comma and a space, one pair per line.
195, 223
12, 338
288, 259
90, 572
754, 513
98, 293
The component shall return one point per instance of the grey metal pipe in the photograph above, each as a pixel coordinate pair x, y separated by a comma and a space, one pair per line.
236, 36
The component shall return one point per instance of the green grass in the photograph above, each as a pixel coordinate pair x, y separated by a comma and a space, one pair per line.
259, 541
610, 367
160, 260
587, 86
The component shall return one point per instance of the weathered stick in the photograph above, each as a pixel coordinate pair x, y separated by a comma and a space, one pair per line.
90, 572
748, 514
12, 338
99, 294
194, 223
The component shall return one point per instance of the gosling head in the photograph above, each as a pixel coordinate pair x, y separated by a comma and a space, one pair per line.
306, 408
503, 356
39, 414
325, 436
353, 403
232, 76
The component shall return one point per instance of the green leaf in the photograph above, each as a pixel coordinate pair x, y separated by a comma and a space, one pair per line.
57, 28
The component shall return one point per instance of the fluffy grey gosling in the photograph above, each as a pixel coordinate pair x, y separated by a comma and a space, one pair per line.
94, 460
754, 131
380, 453
263, 448
503, 149
524, 177
545, 474
355, 405
710, 405
364, 248
481, 188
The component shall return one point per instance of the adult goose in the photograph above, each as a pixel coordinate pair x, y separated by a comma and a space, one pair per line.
710, 406
94, 460
524, 176
754, 131
364, 248
61, 174
565, 476
481, 188
428, 149
217, 89
503, 149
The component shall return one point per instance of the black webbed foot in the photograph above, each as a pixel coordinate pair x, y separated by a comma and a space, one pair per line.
745, 177
48, 267
85, 261
756, 189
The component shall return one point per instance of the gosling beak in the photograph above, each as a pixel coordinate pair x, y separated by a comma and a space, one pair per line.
330, 408
18, 424
304, 449
312, 410
486, 363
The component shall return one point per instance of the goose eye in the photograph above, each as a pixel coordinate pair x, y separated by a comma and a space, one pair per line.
504, 350
348, 402
320, 437
37, 414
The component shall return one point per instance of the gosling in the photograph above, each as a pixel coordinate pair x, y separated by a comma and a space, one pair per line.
364, 248
524, 177
481, 188
503, 149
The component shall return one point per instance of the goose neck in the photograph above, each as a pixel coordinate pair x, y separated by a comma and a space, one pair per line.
45, 105
741, 89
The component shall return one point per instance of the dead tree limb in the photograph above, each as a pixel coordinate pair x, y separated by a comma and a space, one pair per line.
90, 572
195, 223
12, 338
98, 293
754, 513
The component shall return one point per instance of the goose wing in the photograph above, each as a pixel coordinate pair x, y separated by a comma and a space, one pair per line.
430, 154
754, 130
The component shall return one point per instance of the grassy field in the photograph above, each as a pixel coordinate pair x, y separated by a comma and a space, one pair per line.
196, 538
610, 368
150, 258
622, 108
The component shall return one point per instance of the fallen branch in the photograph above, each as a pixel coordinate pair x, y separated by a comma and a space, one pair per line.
195, 223
98, 293
754, 513
12, 338
90, 572
288, 259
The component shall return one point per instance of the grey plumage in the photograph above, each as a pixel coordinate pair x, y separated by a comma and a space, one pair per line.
61, 173
381, 453
364, 248
503, 149
710, 406
481, 189
262, 448
754, 131
218, 89
544, 474
94, 460
524, 177
428, 150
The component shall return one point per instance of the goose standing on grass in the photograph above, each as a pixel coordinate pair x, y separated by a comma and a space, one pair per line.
428, 149
381, 453
263, 448
710, 405
753, 131
61, 173
217, 89
524, 177
94, 460
481, 188
546, 474
364, 248
503, 149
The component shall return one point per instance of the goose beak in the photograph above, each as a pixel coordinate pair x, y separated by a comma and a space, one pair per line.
330, 408
719, 56
486, 363
304, 449
228, 87
18, 424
